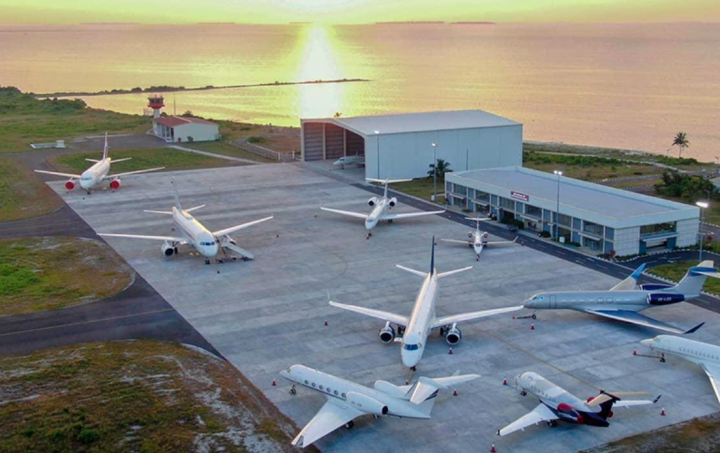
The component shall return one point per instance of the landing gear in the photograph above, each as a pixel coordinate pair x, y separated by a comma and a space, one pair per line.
552, 423
245, 258
662, 358
534, 316
292, 390
390, 221
413, 369
401, 330
207, 261
523, 393
349, 425
477, 257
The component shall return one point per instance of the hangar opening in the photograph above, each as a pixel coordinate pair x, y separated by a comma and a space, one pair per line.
325, 141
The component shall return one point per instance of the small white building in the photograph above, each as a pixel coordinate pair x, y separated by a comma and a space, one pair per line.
181, 129
403, 146
596, 217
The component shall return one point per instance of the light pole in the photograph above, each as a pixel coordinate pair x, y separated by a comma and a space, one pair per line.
377, 134
702, 205
434, 145
558, 173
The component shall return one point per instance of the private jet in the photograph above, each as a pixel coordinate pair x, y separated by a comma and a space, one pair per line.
557, 404
346, 400
381, 208
478, 240
193, 233
414, 330
626, 299
98, 173
704, 355
350, 160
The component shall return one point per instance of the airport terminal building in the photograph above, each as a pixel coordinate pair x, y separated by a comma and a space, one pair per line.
599, 218
403, 146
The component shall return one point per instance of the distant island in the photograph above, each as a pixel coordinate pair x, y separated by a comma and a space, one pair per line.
473, 23
417, 22
168, 88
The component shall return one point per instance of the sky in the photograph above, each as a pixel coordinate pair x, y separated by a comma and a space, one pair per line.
354, 11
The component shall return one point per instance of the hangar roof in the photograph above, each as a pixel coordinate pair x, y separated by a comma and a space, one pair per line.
422, 122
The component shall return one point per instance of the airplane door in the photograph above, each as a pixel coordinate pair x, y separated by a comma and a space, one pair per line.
553, 302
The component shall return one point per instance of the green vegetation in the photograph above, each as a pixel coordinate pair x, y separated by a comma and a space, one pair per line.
256, 140
228, 150
171, 159
442, 167
686, 187
54, 272
422, 188
27, 120
133, 396
682, 142
676, 271
586, 167
22, 193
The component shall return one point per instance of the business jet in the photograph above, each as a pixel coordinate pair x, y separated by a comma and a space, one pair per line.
557, 404
381, 208
350, 160
98, 173
478, 240
346, 400
414, 330
627, 298
706, 356
193, 233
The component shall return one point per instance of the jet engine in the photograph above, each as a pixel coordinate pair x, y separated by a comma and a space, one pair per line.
470, 234
115, 184
392, 202
366, 404
453, 336
387, 333
373, 201
168, 250
567, 412
664, 299
70, 185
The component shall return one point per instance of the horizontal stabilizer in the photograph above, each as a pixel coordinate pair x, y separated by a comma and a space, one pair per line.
412, 271
92, 160
158, 212
114, 161
426, 388
195, 208
456, 271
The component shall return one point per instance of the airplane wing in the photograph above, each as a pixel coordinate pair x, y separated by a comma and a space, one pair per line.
713, 372
137, 172
541, 413
347, 213
634, 317
385, 316
239, 227
409, 214
630, 283
455, 241
446, 320
331, 416
502, 242
140, 236
54, 173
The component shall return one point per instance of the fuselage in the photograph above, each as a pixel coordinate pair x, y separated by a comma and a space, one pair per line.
420, 322
335, 387
95, 174
479, 241
633, 300
693, 351
199, 237
377, 213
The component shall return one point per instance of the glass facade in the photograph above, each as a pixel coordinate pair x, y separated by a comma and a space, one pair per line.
593, 228
658, 228
533, 211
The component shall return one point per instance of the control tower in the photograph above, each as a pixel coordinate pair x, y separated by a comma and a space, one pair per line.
156, 102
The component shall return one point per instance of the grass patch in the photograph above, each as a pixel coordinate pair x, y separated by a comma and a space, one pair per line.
131, 396
587, 167
27, 120
676, 271
22, 193
228, 150
53, 272
422, 188
171, 159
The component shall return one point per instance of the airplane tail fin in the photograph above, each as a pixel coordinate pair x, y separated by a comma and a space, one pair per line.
105, 148
177, 196
432, 256
385, 182
694, 279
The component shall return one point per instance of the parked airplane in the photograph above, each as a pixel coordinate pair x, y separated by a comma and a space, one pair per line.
706, 356
193, 233
346, 400
557, 404
478, 240
414, 330
381, 208
98, 173
626, 299
350, 160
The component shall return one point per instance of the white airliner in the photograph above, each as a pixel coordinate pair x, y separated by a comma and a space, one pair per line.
415, 329
346, 400
706, 356
381, 208
349, 160
557, 404
626, 299
98, 173
478, 240
193, 233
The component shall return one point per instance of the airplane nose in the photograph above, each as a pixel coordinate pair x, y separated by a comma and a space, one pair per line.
648, 342
409, 360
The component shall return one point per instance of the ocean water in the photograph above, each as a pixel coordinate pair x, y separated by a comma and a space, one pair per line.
626, 86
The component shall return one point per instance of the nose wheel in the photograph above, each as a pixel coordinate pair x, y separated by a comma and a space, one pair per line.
349, 425
207, 261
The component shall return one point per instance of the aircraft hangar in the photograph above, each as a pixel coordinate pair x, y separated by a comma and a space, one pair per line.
404, 145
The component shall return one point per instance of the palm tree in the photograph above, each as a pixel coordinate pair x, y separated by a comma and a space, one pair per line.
442, 168
681, 142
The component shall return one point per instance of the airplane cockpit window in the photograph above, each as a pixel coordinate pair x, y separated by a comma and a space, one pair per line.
411, 347
538, 298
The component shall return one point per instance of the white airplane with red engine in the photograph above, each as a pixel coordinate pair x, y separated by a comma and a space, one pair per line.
557, 404
478, 240
97, 173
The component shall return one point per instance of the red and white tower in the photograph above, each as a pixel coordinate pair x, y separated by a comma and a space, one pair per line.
156, 102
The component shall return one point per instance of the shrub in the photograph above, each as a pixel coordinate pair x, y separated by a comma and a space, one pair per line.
256, 139
88, 436
544, 234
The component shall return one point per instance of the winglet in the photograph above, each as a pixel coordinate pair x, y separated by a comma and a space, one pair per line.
432, 256
694, 329
638, 272
105, 149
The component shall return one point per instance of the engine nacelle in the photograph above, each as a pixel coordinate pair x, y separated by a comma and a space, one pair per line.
167, 249
664, 298
387, 334
373, 201
69, 185
453, 336
115, 184
567, 412
392, 202
366, 404
471, 235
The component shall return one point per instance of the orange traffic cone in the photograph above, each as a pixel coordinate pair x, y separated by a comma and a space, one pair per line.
532, 326
492, 449
455, 392
274, 383
662, 412
635, 351
513, 316
407, 382
450, 351
326, 323
505, 381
